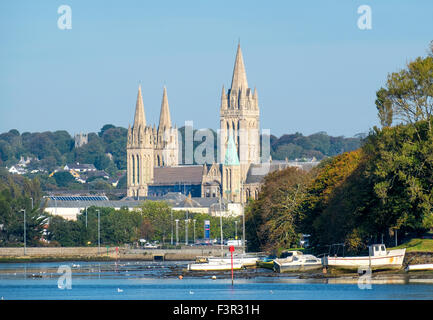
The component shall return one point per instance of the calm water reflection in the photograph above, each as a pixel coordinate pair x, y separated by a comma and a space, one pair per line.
149, 280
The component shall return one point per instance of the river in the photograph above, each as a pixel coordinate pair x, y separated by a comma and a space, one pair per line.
160, 281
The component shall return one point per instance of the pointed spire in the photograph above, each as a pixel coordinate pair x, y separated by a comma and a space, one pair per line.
224, 101
239, 79
139, 118
231, 157
164, 117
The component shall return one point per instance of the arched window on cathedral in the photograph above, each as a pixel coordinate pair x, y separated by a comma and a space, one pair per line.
133, 169
138, 169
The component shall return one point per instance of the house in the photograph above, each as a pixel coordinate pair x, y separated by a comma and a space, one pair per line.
80, 167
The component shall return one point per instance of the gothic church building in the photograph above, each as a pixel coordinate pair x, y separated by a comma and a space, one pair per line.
153, 166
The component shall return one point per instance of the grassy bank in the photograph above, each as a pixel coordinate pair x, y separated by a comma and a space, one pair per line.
417, 245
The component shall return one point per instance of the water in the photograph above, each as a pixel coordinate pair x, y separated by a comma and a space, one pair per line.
160, 281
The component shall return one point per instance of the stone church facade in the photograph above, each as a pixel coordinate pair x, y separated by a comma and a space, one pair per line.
153, 167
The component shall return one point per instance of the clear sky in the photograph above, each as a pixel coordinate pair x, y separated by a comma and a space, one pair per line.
314, 69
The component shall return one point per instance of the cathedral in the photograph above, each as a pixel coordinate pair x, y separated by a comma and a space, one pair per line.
153, 164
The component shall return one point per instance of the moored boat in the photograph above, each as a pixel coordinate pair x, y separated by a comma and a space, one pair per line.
297, 262
419, 267
214, 266
245, 261
378, 258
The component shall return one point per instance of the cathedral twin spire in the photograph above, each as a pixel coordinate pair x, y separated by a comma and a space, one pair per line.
140, 117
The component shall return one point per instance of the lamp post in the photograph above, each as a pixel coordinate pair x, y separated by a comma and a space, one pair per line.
243, 217
171, 222
86, 217
177, 233
186, 232
236, 229
25, 241
99, 232
194, 230
221, 227
32, 202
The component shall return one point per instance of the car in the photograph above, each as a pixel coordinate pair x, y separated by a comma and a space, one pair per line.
150, 246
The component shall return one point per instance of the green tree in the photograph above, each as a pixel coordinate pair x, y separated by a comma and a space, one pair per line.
408, 95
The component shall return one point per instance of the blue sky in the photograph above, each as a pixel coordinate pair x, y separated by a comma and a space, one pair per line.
313, 68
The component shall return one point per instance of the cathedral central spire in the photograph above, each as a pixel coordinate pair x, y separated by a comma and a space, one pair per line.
239, 79
139, 118
164, 118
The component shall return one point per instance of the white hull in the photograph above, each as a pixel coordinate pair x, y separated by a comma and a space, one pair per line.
419, 267
213, 266
300, 263
392, 259
245, 262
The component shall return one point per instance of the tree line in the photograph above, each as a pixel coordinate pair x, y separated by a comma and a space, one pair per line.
360, 197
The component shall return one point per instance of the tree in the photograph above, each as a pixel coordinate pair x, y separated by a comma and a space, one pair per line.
63, 178
272, 220
408, 95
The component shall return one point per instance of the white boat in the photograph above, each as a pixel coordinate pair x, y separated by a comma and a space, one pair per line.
297, 261
214, 266
419, 267
245, 261
378, 258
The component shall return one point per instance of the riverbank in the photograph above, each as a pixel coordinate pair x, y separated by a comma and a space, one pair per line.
54, 254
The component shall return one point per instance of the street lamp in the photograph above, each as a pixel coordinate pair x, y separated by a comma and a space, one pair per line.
99, 232
32, 202
171, 222
25, 242
236, 229
177, 233
194, 229
186, 231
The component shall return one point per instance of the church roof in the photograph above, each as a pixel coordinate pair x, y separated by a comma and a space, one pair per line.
239, 79
231, 156
178, 175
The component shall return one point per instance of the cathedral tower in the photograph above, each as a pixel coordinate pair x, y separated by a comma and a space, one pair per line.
166, 137
231, 182
140, 154
239, 117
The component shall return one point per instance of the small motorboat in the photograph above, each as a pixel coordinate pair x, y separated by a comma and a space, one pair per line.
378, 258
297, 261
419, 267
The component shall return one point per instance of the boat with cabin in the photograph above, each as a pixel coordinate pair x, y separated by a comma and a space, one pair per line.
378, 258
297, 261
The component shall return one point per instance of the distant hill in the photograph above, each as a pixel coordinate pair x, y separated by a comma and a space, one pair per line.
318, 145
